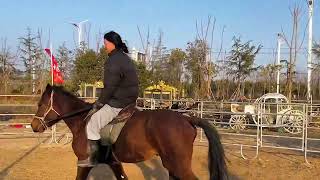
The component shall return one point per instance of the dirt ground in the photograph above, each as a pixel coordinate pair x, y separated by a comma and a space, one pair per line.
26, 159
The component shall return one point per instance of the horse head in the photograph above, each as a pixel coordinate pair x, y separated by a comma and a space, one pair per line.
48, 110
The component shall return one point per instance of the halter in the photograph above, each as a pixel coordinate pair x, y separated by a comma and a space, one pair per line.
41, 119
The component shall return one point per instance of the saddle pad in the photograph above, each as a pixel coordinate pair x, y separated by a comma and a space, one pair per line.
110, 133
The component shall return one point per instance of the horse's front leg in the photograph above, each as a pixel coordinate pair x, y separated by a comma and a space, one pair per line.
83, 172
116, 167
118, 170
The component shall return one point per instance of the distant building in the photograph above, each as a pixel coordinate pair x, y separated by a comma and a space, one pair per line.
137, 55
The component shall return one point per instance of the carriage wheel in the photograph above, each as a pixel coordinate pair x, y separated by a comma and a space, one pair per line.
237, 122
293, 121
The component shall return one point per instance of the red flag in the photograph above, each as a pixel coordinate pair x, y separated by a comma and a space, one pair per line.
57, 76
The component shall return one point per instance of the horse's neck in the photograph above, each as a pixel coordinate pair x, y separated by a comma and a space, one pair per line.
76, 124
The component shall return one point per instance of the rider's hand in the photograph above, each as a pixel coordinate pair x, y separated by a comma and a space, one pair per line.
97, 105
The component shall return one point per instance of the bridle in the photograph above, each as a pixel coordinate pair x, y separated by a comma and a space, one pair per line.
49, 108
68, 115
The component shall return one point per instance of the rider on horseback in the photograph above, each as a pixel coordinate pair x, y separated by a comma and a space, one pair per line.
120, 90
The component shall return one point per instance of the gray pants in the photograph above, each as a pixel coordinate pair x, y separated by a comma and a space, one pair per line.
99, 120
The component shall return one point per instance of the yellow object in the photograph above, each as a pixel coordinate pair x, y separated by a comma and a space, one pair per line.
162, 95
91, 90
161, 91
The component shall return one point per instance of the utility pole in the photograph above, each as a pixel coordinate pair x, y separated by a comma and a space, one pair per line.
79, 28
309, 66
278, 62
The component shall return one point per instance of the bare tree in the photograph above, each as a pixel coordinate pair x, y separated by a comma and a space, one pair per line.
316, 67
159, 60
200, 56
42, 72
222, 90
31, 54
6, 65
294, 47
64, 57
145, 43
87, 30
99, 36
267, 73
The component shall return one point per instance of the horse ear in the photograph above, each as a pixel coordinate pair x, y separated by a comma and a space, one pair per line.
48, 87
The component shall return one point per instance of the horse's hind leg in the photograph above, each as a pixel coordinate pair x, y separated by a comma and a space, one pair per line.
179, 168
172, 177
177, 155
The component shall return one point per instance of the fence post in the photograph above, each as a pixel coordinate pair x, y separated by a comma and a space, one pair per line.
153, 103
201, 115
52, 135
260, 123
305, 131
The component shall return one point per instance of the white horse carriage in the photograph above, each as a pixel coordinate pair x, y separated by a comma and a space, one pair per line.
272, 109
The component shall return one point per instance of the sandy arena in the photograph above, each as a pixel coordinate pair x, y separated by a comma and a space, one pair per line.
26, 159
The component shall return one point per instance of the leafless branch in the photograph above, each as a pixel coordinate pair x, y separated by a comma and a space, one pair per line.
141, 38
284, 37
221, 44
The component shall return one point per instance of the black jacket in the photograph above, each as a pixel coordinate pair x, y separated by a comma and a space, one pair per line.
120, 81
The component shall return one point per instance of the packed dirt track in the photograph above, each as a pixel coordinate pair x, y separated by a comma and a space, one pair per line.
26, 159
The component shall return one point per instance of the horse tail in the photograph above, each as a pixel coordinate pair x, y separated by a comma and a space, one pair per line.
216, 162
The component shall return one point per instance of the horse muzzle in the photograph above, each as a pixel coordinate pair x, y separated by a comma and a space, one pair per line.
37, 126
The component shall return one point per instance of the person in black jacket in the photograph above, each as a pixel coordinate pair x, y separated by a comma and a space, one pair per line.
120, 88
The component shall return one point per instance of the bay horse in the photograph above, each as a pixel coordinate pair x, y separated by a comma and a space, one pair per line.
146, 134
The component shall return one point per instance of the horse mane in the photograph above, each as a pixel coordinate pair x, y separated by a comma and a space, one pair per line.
63, 91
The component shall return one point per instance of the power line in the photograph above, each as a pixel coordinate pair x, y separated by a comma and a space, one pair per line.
268, 53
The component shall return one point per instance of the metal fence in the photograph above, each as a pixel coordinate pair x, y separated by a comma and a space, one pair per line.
294, 126
16, 112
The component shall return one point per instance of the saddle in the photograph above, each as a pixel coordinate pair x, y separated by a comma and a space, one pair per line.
125, 114
110, 133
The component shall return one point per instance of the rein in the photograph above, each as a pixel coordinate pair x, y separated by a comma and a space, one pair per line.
68, 115
73, 113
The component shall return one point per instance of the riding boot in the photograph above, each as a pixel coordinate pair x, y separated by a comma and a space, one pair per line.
104, 152
94, 148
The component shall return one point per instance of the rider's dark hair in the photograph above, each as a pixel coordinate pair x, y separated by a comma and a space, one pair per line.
115, 38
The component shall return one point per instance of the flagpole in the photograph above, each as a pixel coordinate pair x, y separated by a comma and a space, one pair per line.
53, 128
51, 63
